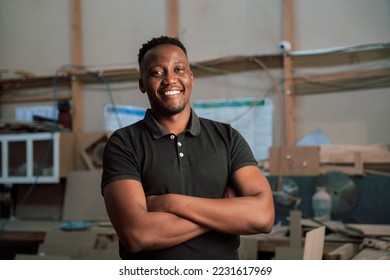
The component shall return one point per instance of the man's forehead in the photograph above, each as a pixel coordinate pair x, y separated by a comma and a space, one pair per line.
165, 50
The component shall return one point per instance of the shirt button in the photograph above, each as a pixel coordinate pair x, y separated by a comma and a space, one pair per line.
179, 144
181, 155
172, 137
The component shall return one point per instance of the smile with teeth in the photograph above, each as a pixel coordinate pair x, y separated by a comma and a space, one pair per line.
172, 92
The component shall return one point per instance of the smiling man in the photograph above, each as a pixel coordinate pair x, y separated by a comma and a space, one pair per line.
177, 186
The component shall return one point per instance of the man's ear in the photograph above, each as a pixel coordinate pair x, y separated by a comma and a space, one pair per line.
141, 86
192, 79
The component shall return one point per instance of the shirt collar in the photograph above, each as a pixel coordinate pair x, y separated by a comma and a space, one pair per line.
159, 131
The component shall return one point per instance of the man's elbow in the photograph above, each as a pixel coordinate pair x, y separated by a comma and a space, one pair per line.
268, 227
132, 245
135, 242
266, 223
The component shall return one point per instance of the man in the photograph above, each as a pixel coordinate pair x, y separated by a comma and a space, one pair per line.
177, 186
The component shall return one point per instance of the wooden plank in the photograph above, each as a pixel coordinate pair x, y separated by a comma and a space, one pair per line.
40, 257
173, 18
67, 144
77, 59
372, 254
354, 148
355, 169
18, 98
294, 161
289, 102
341, 81
377, 153
314, 244
77, 50
288, 253
349, 157
344, 252
294, 251
78, 107
22, 235
72, 238
376, 172
69, 250
355, 159
351, 171
307, 85
371, 229
295, 229
247, 249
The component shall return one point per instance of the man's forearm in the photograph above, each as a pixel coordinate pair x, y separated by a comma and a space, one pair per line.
238, 215
161, 230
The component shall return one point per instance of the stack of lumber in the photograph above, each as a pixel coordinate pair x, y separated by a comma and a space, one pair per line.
315, 160
355, 159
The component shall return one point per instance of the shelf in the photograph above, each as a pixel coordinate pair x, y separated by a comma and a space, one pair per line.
305, 84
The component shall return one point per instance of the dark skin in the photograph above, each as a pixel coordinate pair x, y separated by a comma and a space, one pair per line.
156, 222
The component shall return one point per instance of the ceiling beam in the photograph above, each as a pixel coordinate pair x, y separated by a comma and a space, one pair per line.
173, 18
77, 59
288, 86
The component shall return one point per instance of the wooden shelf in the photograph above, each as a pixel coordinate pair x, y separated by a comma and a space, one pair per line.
307, 84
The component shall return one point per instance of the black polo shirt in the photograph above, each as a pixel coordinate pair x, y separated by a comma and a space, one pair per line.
199, 162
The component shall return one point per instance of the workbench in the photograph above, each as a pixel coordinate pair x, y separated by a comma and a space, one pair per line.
26, 237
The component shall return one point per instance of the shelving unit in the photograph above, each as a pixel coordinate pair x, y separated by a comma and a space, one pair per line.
29, 158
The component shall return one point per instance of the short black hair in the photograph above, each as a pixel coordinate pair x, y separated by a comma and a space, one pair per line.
156, 41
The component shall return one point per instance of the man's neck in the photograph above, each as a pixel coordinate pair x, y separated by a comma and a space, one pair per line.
177, 123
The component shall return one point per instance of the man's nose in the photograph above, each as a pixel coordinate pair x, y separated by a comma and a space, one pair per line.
170, 78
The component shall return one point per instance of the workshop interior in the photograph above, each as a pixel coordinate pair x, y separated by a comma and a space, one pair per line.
305, 82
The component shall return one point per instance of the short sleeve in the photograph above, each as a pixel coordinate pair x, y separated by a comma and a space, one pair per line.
119, 159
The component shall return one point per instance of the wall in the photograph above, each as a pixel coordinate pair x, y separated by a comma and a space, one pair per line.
35, 36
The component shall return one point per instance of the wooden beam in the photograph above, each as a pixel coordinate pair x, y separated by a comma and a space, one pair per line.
303, 85
78, 107
342, 81
77, 59
173, 18
288, 86
77, 51
10, 99
314, 244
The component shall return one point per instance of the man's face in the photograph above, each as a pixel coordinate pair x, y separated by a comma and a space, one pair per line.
167, 79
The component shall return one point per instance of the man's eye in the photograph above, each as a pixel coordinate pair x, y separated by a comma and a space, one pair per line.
157, 73
179, 69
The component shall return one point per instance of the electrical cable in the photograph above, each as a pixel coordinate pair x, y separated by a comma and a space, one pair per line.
104, 80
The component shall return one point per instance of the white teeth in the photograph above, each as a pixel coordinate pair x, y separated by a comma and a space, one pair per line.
172, 92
